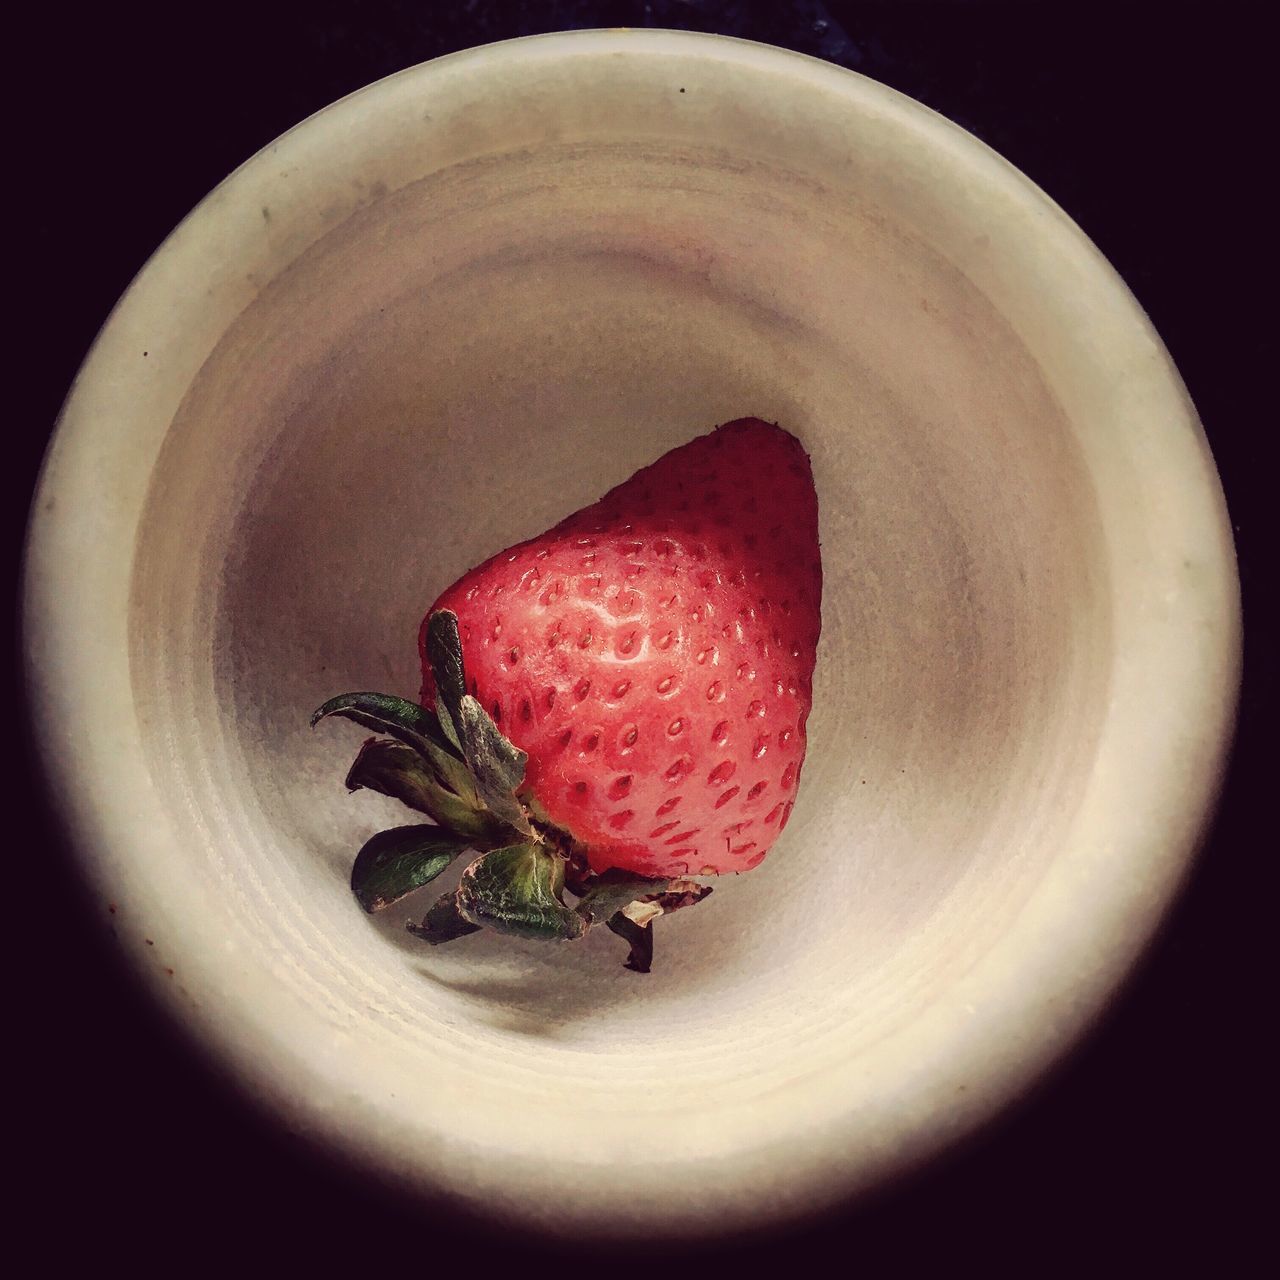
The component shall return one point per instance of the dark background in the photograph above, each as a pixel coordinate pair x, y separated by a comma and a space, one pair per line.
1148, 124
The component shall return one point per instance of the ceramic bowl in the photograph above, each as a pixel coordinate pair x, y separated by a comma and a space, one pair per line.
452, 308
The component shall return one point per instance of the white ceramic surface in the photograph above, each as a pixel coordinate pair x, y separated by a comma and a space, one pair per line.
454, 307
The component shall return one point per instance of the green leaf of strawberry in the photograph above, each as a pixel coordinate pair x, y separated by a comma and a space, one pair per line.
444, 653
614, 890
518, 890
444, 922
411, 724
396, 862
386, 713
496, 765
396, 770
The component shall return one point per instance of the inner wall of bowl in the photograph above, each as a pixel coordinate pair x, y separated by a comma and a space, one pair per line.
458, 366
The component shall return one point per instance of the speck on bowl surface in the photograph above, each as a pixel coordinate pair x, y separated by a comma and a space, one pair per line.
456, 306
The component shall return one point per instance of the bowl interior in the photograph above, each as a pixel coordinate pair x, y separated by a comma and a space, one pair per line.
449, 357
472, 358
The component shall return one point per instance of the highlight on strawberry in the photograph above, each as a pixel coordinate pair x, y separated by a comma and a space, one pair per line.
610, 709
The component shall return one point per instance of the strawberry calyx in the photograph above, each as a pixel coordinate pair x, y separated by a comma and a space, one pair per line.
453, 764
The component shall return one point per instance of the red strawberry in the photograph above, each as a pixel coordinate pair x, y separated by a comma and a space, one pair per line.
653, 653
646, 669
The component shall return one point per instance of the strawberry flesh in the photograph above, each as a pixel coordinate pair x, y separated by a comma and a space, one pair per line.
654, 654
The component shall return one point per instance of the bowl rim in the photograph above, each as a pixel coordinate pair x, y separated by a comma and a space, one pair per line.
50, 608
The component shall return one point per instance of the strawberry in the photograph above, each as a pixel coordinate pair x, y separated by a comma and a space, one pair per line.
612, 706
